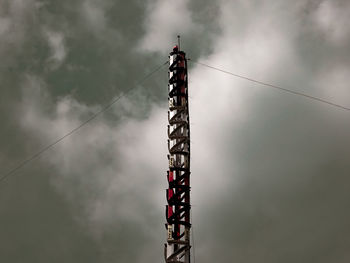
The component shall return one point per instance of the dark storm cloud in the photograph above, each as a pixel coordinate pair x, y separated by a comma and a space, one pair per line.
287, 158
274, 185
98, 192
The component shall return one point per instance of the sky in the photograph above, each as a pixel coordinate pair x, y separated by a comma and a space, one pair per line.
270, 170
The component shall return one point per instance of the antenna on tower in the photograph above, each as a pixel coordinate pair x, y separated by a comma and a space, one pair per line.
178, 42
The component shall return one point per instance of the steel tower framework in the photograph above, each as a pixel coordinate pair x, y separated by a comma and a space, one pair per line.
178, 225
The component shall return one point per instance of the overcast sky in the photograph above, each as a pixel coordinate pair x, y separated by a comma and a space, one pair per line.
270, 170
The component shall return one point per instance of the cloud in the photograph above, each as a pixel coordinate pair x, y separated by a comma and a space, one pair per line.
250, 196
332, 18
4, 25
166, 20
94, 14
113, 171
14, 20
56, 43
269, 169
334, 82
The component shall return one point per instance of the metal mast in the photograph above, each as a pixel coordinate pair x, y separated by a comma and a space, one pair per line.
177, 248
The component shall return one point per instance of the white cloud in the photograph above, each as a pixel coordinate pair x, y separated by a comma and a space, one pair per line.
13, 23
56, 43
94, 18
118, 170
94, 13
121, 159
333, 18
166, 19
